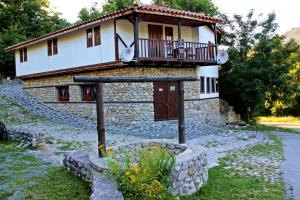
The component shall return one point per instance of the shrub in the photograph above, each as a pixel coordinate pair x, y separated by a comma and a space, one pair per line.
146, 179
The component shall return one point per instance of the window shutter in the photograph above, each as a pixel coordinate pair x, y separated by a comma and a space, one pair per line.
49, 47
89, 37
97, 35
21, 55
55, 46
25, 54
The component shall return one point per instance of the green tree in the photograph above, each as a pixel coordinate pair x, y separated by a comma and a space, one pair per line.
115, 5
204, 6
86, 14
257, 74
24, 19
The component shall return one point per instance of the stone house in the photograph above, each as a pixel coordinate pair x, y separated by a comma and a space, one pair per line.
159, 41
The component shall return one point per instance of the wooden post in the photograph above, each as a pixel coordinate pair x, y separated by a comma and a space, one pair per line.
179, 28
216, 38
136, 35
100, 120
181, 122
116, 40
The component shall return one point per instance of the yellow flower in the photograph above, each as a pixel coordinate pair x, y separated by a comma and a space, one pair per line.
110, 151
136, 168
133, 178
127, 173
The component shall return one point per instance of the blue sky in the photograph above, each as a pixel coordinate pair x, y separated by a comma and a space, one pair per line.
288, 15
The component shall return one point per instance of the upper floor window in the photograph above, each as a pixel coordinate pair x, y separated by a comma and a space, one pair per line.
88, 93
93, 36
169, 33
63, 93
202, 84
23, 55
52, 47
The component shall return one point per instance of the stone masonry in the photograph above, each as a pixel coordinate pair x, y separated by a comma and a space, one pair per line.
124, 102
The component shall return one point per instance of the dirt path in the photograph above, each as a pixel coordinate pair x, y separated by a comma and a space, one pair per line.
291, 166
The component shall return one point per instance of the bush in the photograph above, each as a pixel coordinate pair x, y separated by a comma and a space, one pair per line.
146, 179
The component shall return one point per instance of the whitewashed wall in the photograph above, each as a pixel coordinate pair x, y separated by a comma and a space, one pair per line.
208, 71
72, 52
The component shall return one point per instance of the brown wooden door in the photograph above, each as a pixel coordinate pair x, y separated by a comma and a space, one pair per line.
165, 100
155, 33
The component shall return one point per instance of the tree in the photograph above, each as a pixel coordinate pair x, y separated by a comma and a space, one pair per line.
24, 19
204, 6
115, 5
86, 14
257, 74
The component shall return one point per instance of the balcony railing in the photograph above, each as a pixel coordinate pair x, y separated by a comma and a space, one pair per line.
167, 50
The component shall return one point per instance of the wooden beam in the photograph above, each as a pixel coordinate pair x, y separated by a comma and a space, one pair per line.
136, 35
137, 79
116, 41
100, 120
181, 121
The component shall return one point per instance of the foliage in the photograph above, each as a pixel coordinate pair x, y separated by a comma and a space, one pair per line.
148, 178
24, 19
109, 6
204, 6
279, 119
115, 5
257, 74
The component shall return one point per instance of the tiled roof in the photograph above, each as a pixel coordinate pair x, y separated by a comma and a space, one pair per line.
146, 9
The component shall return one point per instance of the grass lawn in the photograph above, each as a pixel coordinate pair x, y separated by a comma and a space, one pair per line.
228, 182
26, 177
279, 119
264, 128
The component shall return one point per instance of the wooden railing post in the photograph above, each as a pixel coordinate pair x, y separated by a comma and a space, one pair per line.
136, 35
100, 120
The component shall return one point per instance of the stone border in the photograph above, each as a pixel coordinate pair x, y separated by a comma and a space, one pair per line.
188, 175
26, 138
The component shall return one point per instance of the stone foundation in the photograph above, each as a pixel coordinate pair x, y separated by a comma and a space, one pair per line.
124, 102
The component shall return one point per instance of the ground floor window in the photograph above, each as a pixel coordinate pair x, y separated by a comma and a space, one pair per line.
88, 92
202, 84
63, 93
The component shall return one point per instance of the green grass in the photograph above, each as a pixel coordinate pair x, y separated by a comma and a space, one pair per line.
12, 114
264, 128
229, 183
20, 171
58, 184
279, 119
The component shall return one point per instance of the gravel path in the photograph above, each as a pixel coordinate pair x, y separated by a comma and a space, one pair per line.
291, 165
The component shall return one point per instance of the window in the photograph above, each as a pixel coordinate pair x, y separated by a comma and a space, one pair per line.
88, 93
213, 85
169, 33
63, 93
207, 84
89, 37
52, 47
93, 38
97, 37
23, 55
202, 84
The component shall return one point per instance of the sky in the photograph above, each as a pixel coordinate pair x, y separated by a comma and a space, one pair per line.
287, 11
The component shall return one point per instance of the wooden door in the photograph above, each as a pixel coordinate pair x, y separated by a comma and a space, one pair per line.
165, 100
155, 33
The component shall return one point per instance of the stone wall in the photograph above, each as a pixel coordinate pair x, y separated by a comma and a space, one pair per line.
138, 96
188, 175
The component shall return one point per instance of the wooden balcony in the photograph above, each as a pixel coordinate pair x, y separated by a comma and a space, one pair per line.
168, 50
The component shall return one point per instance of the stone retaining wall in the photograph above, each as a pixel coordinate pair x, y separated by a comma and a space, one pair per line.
189, 173
26, 138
